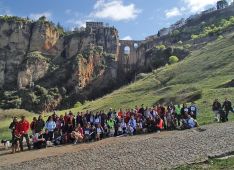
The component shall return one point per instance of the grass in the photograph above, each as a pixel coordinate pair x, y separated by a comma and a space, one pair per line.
199, 76
212, 164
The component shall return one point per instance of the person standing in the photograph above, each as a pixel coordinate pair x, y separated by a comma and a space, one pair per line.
33, 125
23, 130
13, 127
216, 107
39, 125
227, 106
50, 125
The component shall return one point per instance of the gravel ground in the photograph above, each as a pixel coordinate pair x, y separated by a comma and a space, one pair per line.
154, 151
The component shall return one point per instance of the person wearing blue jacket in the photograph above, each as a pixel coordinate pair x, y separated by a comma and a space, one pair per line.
132, 124
50, 126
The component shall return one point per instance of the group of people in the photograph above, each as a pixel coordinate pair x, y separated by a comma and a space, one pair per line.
86, 127
221, 112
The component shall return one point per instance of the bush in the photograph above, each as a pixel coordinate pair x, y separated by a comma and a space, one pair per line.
141, 76
180, 42
160, 47
187, 46
78, 104
173, 59
40, 90
220, 37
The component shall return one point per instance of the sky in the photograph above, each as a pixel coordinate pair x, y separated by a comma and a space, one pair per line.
135, 19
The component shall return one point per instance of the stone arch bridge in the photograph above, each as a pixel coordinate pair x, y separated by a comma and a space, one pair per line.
128, 54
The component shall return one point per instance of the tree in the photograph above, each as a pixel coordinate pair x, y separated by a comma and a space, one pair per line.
42, 18
175, 32
173, 59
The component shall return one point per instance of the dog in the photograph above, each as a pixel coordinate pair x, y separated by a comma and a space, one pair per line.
6, 144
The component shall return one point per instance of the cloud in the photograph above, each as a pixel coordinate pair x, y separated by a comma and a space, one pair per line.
198, 5
174, 12
68, 11
128, 37
115, 10
77, 22
4, 10
36, 16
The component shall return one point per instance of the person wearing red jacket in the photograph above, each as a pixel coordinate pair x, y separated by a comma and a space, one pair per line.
23, 130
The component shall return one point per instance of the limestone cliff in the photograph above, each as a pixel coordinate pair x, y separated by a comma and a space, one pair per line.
36, 53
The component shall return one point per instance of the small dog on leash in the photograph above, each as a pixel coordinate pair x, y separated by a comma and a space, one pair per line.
6, 144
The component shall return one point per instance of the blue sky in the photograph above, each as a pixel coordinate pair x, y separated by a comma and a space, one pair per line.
135, 19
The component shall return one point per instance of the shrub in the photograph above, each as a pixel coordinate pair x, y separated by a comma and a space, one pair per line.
187, 46
220, 37
173, 59
141, 76
175, 32
78, 104
40, 90
160, 47
180, 42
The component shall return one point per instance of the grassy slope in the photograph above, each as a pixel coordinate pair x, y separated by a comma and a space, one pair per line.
202, 72
213, 164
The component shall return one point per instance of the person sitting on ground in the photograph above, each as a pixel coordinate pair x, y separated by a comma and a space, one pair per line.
189, 123
158, 124
139, 126
46, 135
39, 141
87, 133
99, 132
77, 134
57, 137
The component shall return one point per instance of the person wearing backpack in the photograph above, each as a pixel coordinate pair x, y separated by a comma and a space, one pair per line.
227, 106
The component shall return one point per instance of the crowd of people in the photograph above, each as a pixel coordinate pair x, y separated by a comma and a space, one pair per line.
90, 126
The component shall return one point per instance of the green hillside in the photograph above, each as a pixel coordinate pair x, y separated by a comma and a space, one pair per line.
199, 77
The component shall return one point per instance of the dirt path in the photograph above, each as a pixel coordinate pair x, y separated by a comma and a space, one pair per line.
152, 151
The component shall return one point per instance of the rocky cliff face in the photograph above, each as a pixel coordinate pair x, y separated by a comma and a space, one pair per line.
35, 53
